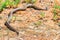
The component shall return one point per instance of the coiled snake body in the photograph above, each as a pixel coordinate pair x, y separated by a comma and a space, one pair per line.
7, 23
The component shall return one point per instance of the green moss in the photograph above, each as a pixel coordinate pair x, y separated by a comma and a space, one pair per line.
57, 6
55, 14
8, 2
0, 17
55, 17
16, 1
42, 14
38, 23
13, 17
33, 1
3, 5
59, 24
30, 1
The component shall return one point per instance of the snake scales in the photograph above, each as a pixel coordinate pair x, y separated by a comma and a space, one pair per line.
7, 23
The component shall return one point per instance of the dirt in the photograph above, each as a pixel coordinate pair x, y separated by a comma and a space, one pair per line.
30, 24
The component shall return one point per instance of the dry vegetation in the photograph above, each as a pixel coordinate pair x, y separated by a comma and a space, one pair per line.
40, 22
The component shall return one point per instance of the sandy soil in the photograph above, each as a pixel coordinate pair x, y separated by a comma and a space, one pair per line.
30, 23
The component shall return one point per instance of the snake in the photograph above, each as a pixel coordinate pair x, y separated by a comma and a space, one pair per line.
7, 23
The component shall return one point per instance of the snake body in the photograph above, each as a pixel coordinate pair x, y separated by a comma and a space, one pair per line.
7, 23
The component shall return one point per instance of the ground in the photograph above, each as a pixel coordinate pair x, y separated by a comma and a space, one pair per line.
31, 24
